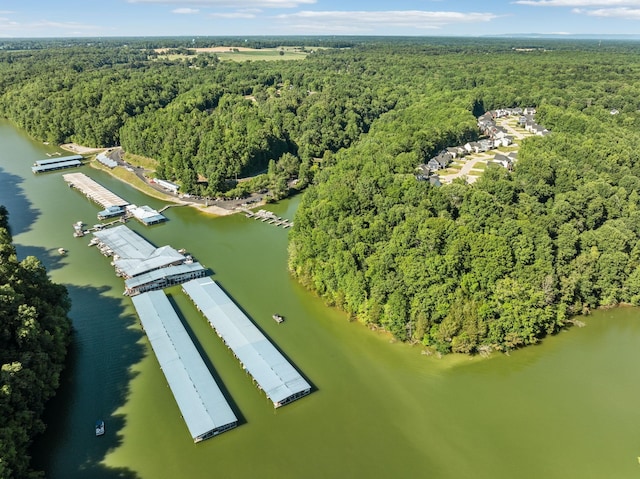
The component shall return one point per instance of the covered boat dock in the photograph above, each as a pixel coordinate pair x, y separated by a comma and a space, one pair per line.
268, 367
60, 163
200, 400
134, 255
94, 191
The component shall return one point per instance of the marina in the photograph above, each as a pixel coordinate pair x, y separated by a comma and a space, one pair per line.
267, 217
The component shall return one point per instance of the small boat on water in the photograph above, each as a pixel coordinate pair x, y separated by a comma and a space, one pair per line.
62, 251
99, 427
277, 318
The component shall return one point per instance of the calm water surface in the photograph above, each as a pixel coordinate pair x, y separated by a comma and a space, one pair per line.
567, 408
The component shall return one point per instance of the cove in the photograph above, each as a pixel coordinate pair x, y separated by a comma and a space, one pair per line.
565, 408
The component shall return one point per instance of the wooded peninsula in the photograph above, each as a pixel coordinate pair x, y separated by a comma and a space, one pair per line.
468, 268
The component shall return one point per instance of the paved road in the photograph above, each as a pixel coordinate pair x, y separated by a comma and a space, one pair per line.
466, 169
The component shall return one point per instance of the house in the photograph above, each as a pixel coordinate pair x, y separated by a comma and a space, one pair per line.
485, 145
504, 161
456, 151
614, 111
471, 146
504, 141
529, 111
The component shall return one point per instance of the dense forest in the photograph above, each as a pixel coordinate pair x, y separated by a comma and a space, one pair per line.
463, 268
34, 335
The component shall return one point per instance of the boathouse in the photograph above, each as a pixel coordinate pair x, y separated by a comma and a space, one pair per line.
146, 215
59, 163
257, 355
133, 255
163, 278
204, 408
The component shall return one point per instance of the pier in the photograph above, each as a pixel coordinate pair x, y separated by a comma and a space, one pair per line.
113, 205
94, 191
267, 217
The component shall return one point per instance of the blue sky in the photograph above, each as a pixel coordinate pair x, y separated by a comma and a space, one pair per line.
73, 18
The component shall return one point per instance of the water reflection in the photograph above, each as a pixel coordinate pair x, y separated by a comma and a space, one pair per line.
94, 385
22, 214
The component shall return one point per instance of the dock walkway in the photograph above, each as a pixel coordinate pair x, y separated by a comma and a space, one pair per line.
267, 217
94, 191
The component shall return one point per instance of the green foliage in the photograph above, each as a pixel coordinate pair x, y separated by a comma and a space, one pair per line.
506, 261
459, 268
34, 335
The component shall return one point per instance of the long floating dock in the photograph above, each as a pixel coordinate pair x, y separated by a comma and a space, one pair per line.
268, 367
200, 400
94, 191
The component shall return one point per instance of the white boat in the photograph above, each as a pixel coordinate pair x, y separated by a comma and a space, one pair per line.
277, 318
99, 428
62, 251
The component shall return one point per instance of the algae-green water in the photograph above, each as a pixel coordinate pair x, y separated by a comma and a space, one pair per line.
567, 408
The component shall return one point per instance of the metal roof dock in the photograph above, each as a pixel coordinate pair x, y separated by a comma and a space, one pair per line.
164, 277
203, 406
94, 191
268, 367
135, 255
146, 215
52, 164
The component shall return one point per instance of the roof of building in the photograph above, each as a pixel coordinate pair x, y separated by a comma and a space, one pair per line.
93, 190
105, 160
271, 370
202, 404
135, 254
160, 258
158, 274
56, 166
60, 159
146, 214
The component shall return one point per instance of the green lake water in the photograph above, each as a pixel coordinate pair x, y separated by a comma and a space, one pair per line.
567, 408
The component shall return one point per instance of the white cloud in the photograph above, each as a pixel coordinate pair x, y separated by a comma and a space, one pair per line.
185, 11
9, 28
361, 21
236, 4
579, 3
626, 13
233, 15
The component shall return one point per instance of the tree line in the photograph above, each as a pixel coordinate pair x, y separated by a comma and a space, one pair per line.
459, 268
34, 336
503, 262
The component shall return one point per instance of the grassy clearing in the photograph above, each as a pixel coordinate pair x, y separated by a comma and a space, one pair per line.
242, 54
267, 55
480, 166
139, 160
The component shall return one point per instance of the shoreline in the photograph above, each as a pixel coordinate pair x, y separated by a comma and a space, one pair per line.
211, 210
